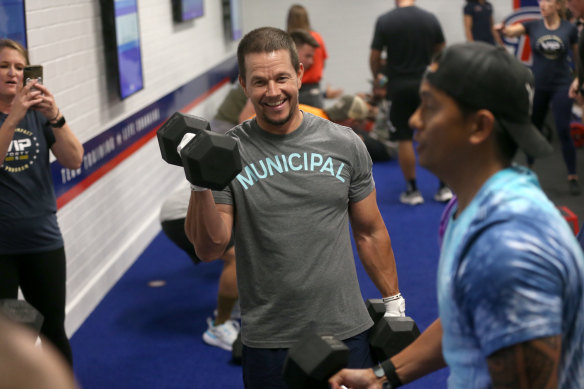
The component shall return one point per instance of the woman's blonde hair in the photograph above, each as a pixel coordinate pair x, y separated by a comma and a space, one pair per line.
11, 44
297, 18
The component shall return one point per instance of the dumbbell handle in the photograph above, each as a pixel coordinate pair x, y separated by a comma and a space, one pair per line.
189, 136
185, 141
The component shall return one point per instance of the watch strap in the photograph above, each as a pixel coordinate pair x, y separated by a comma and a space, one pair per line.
391, 374
379, 374
59, 123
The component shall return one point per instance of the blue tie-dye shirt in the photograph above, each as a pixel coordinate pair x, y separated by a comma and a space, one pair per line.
510, 271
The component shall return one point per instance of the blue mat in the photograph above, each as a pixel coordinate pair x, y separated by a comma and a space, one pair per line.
150, 337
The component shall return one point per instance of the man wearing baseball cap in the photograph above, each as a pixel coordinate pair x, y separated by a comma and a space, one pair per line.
511, 273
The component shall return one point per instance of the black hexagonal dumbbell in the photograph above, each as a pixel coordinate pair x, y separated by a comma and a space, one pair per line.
210, 160
389, 335
313, 360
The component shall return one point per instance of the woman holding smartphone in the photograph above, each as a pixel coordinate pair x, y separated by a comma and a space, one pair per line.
32, 254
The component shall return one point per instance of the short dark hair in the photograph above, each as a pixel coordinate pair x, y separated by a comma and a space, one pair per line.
303, 37
266, 40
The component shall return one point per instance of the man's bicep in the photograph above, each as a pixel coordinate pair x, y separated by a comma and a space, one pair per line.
531, 364
364, 215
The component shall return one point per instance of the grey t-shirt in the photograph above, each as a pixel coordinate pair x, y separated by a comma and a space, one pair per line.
295, 265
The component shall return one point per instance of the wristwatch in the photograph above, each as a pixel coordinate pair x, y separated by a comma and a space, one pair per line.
380, 373
59, 123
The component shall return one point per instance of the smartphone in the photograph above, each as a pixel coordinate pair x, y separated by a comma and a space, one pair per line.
32, 72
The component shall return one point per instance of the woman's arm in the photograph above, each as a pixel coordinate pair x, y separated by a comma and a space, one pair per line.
468, 28
511, 30
67, 148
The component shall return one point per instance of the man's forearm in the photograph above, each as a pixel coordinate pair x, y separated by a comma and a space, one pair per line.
205, 227
422, 357
376, 254
375, 62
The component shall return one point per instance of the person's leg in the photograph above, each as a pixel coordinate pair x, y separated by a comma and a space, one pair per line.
404, 101
407, 161
175, 231
9, 279
262, 368
223, 330
43, 285
227, 294
541, 102
562, 110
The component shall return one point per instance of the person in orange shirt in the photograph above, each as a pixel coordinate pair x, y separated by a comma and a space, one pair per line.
310, 91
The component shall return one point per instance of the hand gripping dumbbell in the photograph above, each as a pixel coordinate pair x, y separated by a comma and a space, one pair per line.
389, 335
313, 360
210, 160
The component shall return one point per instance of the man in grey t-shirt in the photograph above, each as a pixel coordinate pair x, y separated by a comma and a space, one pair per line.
304, 179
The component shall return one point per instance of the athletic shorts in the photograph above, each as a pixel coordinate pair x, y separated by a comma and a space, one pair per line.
405, 99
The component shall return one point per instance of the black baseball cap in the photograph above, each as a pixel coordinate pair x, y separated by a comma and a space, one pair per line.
483, 76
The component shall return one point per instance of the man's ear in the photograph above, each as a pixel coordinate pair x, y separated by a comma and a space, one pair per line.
300, 74
483, 126
242, 83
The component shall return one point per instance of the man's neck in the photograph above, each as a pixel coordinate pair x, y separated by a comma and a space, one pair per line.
404, 3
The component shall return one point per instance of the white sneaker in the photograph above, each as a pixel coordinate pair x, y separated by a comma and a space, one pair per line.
413, 197
222, 335
443, 195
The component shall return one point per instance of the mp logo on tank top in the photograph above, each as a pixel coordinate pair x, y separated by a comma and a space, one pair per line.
551, 46
22, 152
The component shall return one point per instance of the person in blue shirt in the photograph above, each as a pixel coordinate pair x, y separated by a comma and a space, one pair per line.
478, 22
511, 273
553, 42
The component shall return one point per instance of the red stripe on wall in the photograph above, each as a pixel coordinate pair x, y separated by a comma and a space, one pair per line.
115, 161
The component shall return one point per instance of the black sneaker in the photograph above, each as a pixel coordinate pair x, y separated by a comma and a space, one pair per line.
574, 187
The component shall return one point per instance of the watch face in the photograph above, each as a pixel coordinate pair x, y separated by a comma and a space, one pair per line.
378, 371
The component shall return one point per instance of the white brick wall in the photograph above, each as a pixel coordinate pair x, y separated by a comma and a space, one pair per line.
109, 225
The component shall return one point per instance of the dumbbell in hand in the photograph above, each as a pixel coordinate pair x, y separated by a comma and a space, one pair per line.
210, 160
313, 360
389, 335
